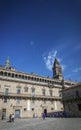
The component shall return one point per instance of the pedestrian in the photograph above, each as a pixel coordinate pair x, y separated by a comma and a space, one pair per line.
13, 117
43, 116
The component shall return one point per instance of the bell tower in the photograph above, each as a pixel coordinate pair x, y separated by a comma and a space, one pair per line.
57, 70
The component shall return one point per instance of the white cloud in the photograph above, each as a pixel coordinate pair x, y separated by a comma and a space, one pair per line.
49, 60
63, 67
76, 70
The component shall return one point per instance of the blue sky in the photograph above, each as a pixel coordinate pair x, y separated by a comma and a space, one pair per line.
34, 32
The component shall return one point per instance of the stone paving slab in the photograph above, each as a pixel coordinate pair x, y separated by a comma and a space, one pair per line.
40, 124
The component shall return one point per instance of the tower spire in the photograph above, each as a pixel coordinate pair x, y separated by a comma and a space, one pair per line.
57, 69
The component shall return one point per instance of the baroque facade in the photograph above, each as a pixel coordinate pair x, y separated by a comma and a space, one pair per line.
28, 95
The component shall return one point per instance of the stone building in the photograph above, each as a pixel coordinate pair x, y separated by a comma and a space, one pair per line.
71, 98
28, 95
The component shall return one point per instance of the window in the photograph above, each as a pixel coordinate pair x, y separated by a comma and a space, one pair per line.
5, 73
43, 92
6, 91
12, 75
18, 101
1, 73
25, 89
16, 76
19, 76
5, 100
22, 76
9, 74
33, 91
18, 90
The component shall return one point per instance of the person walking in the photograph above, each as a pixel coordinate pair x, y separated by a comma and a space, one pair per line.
13, 117
43, 116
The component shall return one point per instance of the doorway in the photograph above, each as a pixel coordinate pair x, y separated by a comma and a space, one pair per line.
45, 111
3, 114
17, 113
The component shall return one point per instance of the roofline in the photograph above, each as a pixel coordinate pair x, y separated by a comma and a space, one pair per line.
72, 86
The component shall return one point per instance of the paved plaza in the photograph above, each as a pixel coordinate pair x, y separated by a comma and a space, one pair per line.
40, 124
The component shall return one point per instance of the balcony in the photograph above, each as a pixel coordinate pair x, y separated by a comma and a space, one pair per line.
25, 96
